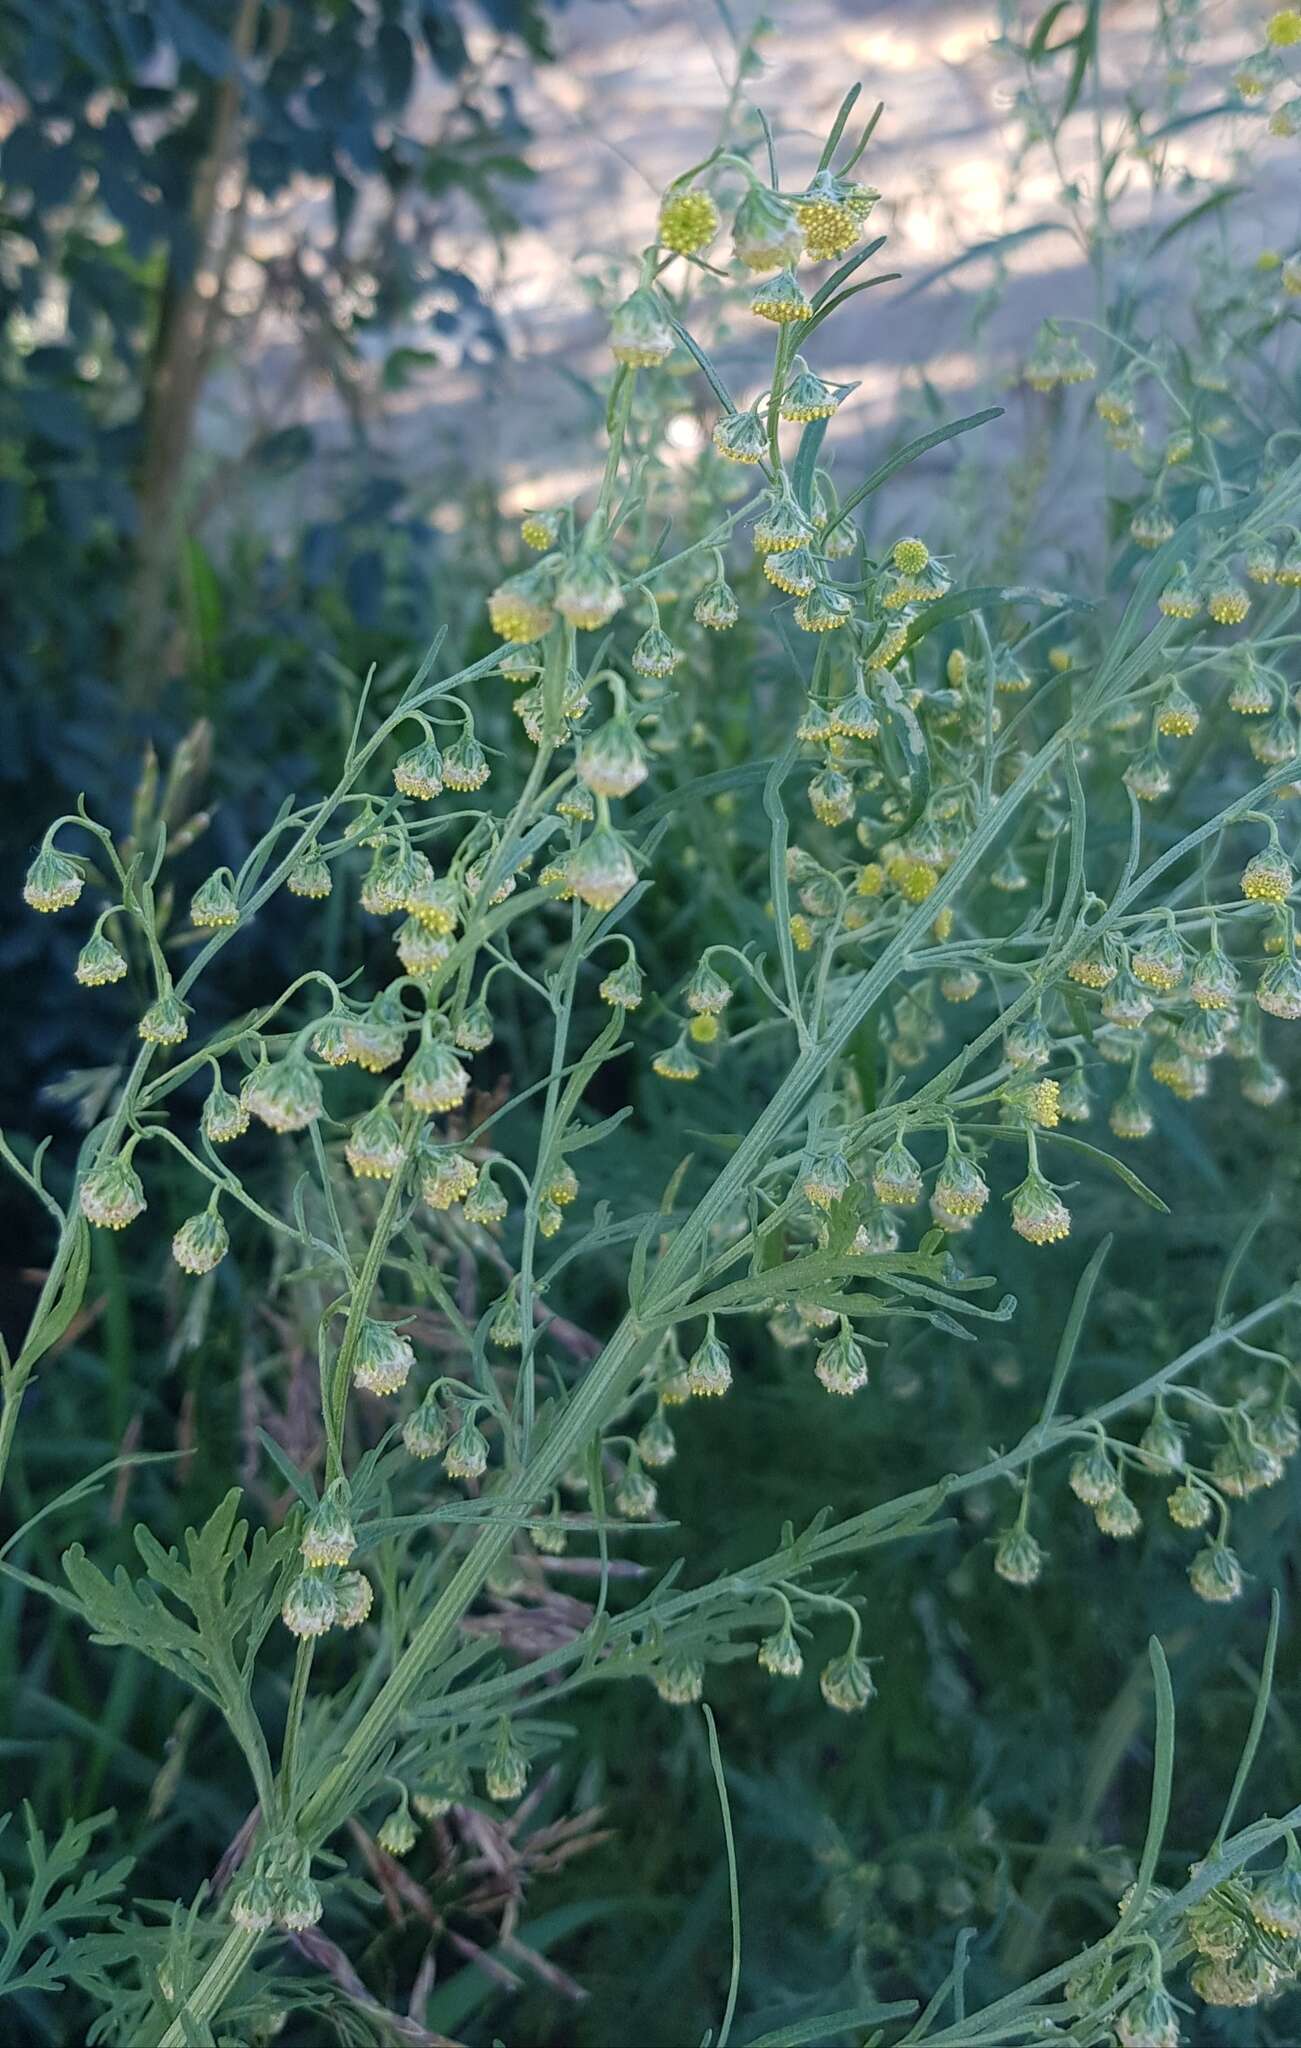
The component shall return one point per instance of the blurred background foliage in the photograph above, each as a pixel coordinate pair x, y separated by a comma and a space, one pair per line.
222, 230
170, 601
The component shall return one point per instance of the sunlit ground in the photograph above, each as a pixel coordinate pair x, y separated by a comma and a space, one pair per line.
637, 95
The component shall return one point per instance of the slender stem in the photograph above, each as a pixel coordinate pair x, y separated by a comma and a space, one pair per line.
293, 1723
335, 1380
213, 1988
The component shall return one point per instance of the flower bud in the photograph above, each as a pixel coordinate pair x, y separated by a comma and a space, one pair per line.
374, 1145
309, 877
520, 608
310, 1606
465, 767
1117, 1516
612, 760
486, 1204
831, 797
448, 1180
1148, 2021
601, 871
1227, 602
780, 299
1276, 1901
54, 882
855, 716
655, 655
826, 1179
780, 1655
781, 525
766, 234
419, 772
424, 1432
1093, 1476
354, 1599
716, 606
688, 220
1159, 960
1147, 776
539, 530
831, 214
1218, 1924
1215, 1574
434, 1080
960, 1188
1277, 1429
1151, 526
224, 1116
635, 1496
165, 1021
383, 1359
706, 992
445, 1785
589, 592
1073, 1100
656, 1445
298, 1903
824, 610
1268, 876
253, 1904
847, 1683
1278, 992
1130, 1116
807, 397
842, 1364
676, 1062
506, 1328
99, 962
741, 437
1162, 1444
397, 1834
1260, 561
1181, 599
214, 906
332, 1040
622, 987
897, 1178
640, 334
709, 1369
111, 1195
1177, 715
201, 1243
506, 1773
1017, 1557
284, 1095
1189, 1505
680, 1681
467, 1453
329, 1537
793, 570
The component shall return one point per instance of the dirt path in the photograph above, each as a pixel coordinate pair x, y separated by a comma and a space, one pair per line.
635, 97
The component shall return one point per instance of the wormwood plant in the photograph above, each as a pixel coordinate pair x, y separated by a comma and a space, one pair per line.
923, 853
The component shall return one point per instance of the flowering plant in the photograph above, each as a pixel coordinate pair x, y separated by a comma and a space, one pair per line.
957, 900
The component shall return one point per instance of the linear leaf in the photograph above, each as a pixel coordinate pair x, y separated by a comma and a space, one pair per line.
851, 2019
909, 453
1162, 1773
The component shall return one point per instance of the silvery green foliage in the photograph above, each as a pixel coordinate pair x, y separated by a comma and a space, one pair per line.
916, 841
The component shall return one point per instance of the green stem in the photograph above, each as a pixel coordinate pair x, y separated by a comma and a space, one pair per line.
335, 1381
212, 1990
294, 1722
